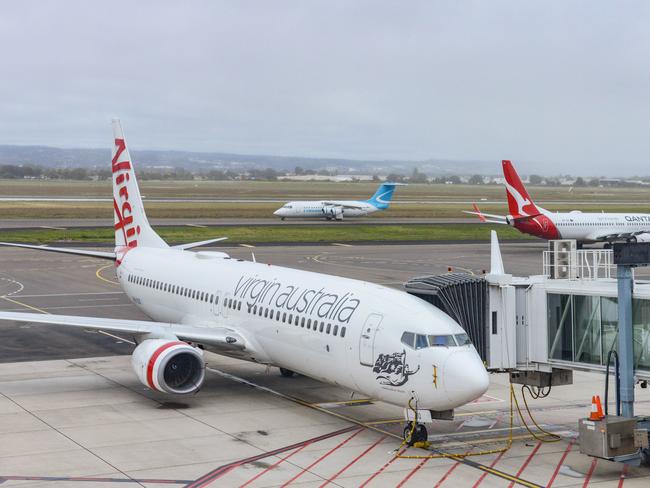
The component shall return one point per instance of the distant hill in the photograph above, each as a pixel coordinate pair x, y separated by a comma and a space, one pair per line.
55, 157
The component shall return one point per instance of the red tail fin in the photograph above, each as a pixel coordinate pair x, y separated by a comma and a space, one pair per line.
519, 202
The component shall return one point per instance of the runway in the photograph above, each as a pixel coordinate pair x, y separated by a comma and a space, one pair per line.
16, 224
72, 412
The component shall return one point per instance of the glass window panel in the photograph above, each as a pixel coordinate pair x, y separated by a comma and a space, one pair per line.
421, 341
609, 323
408, 338
560, 327
641, 326
586, 321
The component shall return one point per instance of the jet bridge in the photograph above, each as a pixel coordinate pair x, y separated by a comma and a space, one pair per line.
540, 328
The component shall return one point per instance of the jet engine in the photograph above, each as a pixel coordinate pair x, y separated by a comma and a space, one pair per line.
169, 366
642, 237
333, 212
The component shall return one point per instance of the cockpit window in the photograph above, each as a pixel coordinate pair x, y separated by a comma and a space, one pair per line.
421, 341
408, 338
462, 339
441, 341
288, 206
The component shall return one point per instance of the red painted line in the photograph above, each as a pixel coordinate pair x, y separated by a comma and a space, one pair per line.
340, 444
329, 480
274, 465
413, 471
216, 473
624, 471
590, 473
559, 464
446, 475
380, 470
528, 459
496, 460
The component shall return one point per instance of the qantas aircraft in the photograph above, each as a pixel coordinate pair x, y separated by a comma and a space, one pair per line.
384, 343
590, 227
337, 209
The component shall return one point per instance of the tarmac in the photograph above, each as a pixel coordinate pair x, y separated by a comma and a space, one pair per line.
72, 412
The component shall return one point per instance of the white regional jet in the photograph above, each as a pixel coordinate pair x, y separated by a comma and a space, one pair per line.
337, 209
384, 343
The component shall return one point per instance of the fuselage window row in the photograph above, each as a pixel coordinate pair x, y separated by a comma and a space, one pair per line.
178, 290
233, 304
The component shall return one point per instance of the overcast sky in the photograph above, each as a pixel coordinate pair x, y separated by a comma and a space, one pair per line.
561, 85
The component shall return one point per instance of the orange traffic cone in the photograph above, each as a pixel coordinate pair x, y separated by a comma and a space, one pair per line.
599, 408
596, 409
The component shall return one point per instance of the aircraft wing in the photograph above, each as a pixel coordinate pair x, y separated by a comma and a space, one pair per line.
65, 250
346, 205
213, 336
614, 236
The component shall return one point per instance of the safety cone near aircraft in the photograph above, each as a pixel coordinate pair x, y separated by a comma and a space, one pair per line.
362, 336
596, 409
529, 218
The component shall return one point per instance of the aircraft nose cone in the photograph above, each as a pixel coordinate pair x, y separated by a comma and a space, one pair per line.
465, 378
277, 212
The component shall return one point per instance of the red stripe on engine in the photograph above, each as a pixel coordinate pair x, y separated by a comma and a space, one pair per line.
154, 358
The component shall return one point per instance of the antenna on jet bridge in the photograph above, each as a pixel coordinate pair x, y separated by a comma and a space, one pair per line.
496, 262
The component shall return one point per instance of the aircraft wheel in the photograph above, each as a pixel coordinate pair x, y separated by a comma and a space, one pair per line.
420, 433
287, 373
281, 218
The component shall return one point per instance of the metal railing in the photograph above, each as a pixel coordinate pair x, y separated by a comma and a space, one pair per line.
579, 264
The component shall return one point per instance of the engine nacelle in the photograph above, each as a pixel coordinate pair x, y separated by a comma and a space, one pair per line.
169, 366
642, 237
333, 212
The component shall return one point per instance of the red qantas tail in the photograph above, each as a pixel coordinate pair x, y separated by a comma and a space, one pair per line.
519, 202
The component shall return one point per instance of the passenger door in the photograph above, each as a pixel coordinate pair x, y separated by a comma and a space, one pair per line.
367, 339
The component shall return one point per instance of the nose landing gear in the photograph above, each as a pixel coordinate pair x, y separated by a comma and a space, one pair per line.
415, 433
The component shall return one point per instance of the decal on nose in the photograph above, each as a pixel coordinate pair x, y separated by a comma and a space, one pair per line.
464, 377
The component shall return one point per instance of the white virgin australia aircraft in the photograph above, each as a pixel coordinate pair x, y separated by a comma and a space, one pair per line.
384, 343
337, 209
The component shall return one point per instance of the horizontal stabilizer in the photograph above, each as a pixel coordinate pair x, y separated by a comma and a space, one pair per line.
79, 252
191, 245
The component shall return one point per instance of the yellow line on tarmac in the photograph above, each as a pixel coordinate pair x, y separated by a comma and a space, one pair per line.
25, 305
98, 274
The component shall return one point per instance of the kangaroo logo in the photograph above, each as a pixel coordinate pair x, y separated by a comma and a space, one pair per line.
521, 201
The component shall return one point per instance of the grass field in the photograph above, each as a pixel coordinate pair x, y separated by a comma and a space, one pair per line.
313, 190
279, 234
417, 200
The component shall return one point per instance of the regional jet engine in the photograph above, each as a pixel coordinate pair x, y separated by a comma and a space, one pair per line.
169, 366
333, 212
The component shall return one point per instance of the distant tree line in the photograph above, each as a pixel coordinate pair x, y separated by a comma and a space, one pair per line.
14, 171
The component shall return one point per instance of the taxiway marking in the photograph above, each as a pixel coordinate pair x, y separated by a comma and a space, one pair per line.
98, 274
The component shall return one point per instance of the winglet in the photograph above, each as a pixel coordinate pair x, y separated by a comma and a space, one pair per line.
478, 213
496, 261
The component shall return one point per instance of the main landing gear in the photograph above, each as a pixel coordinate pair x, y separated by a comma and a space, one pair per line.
287, 373
417, 434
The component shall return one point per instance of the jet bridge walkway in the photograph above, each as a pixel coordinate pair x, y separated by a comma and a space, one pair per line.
540, 328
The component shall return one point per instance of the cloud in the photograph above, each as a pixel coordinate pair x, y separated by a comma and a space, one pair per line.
560, 86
